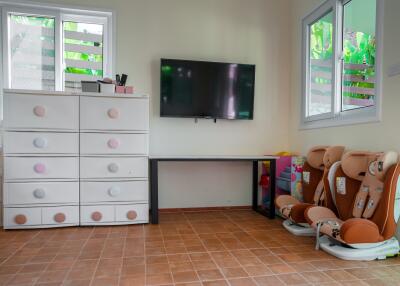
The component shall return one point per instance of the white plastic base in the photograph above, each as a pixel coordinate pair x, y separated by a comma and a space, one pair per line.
380, 251
298, 230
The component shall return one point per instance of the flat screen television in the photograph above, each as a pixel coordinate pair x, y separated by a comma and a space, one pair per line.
199, 89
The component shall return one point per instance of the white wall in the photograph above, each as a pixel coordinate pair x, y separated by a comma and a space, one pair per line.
202, 184
251, 31
262, 32
384, 135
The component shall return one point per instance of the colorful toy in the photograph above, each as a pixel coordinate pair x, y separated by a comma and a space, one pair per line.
288, 177
296, 189
264, 183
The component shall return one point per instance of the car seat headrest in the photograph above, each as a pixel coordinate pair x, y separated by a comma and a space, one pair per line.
315, 157
382, 164
355, 164
332, 155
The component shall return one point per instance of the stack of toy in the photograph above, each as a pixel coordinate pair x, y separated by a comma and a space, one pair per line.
288, 177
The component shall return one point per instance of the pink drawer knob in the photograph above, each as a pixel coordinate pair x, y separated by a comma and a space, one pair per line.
131, 215
40, 168
96, 216
113, 168
39, 110
40, 142
20, 219
114, 191
59, 217
39, 193
113, 143
113, 113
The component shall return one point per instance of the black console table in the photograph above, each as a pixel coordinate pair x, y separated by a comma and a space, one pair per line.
254, 159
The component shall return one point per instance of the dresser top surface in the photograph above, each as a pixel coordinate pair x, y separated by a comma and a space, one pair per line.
66, 93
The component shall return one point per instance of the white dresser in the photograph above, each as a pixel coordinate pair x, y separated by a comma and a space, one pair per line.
113, 159
73, 159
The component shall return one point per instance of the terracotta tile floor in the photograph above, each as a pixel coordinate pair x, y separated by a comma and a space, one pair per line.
202, 248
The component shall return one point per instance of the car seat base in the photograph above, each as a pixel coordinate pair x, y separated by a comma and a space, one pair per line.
297, 229
383, 250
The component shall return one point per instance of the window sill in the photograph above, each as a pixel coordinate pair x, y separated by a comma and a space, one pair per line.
338, 121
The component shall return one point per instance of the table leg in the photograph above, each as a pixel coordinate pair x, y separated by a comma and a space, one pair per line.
255, 185
272, 185
154, 190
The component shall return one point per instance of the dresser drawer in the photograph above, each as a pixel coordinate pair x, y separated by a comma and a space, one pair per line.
60, 215
132, 213
113, 167
97, 214
41, 112
17, 168
98, 113
41, 143
92, 192
41, 193
20, 217
39, 217
103, 143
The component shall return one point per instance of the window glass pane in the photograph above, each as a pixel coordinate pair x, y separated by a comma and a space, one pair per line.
83, 53
320, 54
32, 61
359, 51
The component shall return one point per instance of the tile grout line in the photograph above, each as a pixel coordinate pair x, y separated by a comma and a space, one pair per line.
209, 253
22, 246
99, 259
286, 263
200, 234
267, 248
16, 251
44, 270
77, 257
163, 241
283, 261
239, 227
191, 261
212, 258
144, 256
122, 257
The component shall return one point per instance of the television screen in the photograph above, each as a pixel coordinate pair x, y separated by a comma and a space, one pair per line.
206, 89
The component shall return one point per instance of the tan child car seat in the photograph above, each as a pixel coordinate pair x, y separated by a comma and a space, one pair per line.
365, 194
314, 182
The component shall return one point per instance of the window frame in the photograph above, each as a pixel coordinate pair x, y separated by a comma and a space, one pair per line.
337, 117
107, 48
60, 14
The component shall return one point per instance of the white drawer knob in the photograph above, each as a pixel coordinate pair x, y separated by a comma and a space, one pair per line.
20, 219
113, 143
40, 142
39, 110
131, 215
113, 113
59, 217
39, 193
39, 168
113, 168
114, 191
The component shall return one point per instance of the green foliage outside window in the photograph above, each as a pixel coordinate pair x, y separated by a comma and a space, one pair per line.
74, 27
358, 48
46, 22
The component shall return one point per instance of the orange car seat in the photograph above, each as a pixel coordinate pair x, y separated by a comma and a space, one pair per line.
314, 183
365, 190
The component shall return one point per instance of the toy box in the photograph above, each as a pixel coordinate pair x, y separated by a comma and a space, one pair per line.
288, 178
